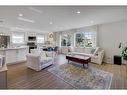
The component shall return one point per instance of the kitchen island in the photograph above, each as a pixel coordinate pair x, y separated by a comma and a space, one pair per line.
15, 54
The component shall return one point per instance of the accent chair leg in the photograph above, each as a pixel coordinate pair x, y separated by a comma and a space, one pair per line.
83, 66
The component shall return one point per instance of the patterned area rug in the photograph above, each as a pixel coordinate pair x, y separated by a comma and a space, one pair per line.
81, 78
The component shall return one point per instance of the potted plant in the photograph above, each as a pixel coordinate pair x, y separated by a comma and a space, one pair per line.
124, 53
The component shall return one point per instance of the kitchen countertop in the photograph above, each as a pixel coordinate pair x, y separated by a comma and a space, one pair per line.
14, 48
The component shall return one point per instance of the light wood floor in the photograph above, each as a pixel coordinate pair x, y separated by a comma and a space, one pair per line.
20, 77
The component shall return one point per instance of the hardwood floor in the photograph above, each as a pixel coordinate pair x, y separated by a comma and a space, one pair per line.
20, 77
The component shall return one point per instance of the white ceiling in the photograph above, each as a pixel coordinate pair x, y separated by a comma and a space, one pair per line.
58, 18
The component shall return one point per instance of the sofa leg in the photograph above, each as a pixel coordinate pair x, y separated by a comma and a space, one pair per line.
85, 66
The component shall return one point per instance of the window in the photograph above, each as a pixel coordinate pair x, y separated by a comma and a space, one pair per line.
40, 39
65, 40
84, 39
18, 38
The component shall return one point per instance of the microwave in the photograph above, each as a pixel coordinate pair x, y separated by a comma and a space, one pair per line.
31, 38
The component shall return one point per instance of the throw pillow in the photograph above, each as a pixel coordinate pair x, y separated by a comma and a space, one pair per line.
96, 51
93, 50
88, 50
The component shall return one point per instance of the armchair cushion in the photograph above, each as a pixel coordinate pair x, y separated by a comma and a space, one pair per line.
38, 52
93, 50
96, 50
37, 62
88, 50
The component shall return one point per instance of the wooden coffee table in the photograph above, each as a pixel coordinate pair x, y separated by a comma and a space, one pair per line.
79, 59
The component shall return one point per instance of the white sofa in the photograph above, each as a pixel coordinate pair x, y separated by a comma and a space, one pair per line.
96, 56
38, 60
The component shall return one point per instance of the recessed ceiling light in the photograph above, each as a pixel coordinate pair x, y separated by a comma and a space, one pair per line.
26, 20
20, 14
78, 12
50, 22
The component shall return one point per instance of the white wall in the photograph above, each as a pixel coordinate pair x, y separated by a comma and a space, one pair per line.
109, 36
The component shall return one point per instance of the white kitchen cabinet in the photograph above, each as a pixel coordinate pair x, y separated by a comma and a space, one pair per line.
11, 56
14, 55
22, 54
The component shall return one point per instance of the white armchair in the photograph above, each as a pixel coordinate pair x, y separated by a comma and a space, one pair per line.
38, 62
98, 58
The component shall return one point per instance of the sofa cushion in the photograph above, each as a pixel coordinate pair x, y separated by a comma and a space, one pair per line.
88, 50
90, 55
81, 50
46, 59
84, 54
71, 49
93, 50
38, 52
96, 51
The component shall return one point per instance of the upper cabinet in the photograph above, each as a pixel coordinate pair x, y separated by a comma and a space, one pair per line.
18, 38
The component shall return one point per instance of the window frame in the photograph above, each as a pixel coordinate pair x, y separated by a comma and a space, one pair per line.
18, 34
62, 38
93, 37
40, 36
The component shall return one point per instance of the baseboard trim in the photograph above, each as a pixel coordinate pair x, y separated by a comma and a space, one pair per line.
16, 62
